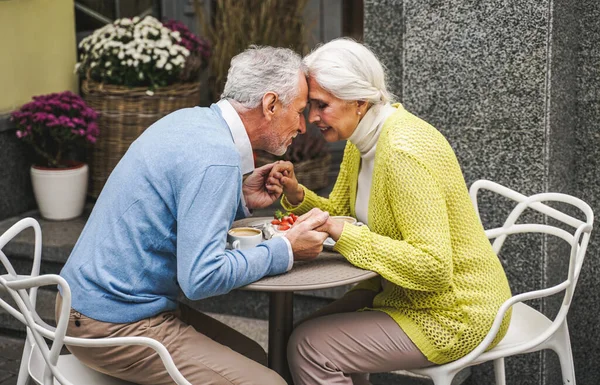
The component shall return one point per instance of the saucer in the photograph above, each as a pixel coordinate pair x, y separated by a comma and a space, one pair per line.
328, 244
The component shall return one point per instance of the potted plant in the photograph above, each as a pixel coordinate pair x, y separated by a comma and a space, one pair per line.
134, 72
55, 125
199, 48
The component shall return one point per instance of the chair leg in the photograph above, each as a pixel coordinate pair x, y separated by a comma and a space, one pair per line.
442, 378
499, 373
562, 346
23, 377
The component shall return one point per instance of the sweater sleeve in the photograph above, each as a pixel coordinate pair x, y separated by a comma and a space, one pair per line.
419, 254
338, 202
206, 209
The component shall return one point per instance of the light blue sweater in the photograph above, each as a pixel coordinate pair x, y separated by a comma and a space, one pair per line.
161, 224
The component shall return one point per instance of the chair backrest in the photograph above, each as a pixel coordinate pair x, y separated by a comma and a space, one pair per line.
577, 238
22, 289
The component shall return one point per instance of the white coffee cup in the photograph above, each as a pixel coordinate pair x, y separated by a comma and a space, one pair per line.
244, 237
350, 220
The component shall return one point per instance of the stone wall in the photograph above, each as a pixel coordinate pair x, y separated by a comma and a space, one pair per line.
16, 195
583, 318
513, 85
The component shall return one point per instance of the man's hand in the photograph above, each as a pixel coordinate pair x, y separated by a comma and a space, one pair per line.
332, 226
258, 192
307, 242
283, 175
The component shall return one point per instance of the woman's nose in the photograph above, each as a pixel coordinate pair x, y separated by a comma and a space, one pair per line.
313, 116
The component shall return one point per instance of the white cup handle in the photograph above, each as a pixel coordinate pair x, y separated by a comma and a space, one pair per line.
235, 244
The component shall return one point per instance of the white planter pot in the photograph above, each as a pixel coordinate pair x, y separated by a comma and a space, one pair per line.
60, 193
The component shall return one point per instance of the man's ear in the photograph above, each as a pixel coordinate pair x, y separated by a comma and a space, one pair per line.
269, 104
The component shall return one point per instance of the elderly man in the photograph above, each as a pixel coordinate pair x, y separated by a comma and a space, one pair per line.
160, 225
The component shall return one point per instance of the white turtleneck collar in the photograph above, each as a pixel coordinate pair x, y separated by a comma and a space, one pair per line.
367, 132
365, 138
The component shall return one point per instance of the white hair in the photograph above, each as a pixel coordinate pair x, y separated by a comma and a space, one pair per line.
349, 70
259, 70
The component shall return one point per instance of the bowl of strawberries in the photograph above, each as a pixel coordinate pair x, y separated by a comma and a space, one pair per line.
283, 221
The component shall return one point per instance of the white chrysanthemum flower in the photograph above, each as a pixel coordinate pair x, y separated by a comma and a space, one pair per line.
169, 67
107, 64
129, 62
136, 19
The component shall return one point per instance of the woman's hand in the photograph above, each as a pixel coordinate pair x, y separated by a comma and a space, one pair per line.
332, 226
282, 174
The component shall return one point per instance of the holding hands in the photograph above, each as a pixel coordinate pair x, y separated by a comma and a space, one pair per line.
282, 176
305, 237
258, 193
266, 184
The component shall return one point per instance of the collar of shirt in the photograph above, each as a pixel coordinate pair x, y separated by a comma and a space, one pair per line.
367, 132
239, 134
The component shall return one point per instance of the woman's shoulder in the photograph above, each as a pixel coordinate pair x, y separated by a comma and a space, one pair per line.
404, 131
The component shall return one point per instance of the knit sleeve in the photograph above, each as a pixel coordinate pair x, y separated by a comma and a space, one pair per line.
418, 253
338, 202
371, 284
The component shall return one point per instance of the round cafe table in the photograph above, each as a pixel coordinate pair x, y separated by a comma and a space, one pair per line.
329, 269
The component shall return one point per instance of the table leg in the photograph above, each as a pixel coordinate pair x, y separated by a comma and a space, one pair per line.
281, 322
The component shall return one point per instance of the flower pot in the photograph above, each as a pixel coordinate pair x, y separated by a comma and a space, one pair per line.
60, 192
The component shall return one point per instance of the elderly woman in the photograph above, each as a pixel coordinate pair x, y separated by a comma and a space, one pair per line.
440, 283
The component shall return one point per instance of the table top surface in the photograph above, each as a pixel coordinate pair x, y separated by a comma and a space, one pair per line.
329, 269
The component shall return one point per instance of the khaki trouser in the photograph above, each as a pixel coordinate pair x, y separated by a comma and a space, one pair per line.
204, 350
337, 345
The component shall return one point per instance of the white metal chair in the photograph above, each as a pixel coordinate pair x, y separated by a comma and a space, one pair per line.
529, 330
44, 364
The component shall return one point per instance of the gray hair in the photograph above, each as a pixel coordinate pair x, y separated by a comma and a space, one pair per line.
349, 70
259, 70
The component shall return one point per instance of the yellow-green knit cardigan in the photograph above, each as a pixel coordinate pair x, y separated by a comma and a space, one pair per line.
444, 282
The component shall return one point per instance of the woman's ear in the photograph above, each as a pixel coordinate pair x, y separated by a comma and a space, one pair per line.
269, 104
361, 107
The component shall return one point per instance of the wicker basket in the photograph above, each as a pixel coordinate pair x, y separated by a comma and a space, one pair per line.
311, 173
124, 113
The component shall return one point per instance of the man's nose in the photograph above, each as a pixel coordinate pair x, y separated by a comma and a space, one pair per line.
302, 124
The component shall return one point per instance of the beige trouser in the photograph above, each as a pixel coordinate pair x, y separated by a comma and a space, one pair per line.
338, 345
204, 350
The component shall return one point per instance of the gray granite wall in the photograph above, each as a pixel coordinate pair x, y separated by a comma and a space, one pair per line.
16, 195
583, 320
499, 80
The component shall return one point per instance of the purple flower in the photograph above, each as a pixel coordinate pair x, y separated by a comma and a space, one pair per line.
56, 123
189, 40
